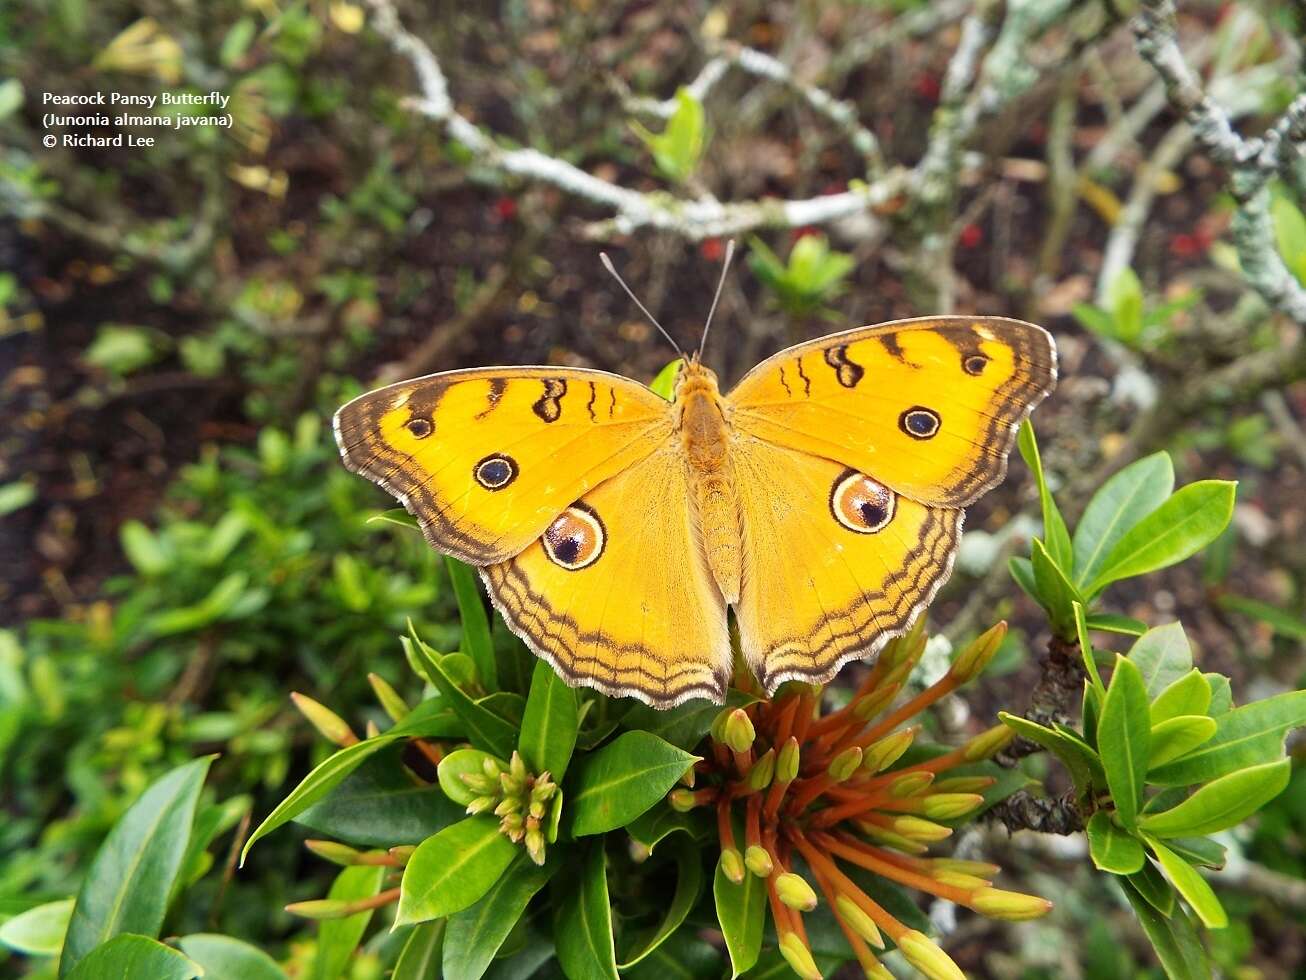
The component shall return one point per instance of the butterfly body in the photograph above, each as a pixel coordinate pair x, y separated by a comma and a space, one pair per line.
820, 500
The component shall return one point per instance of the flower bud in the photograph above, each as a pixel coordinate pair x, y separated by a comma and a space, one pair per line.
843, 765
1012, 906
391, 703
329, 724
763, 771
687, 779
482, 804
950, 806
402, 852
870, 705
334, 852
732, 865
910, 783
918, 950
682, 800
798, 956
880, 755
738, 730
535, 845
958, 880
786, 763
914, 828
795, 892
988, 744
856, 919
888, 838
981, 869
757, 859
976, 656
321, 908
507, 805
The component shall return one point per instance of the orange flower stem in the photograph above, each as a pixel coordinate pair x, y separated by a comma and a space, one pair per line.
780, 912
774, 796
430, 750
821, 863
753, 821
860, 948
783, 714
862, 854
725, 829
809, 789
743, 761
803, 718
944, 686
853, 808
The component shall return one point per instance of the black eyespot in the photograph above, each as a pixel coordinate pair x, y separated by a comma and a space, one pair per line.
873, 514
419, 427
974, 364
919, 423
495, 472
567, 550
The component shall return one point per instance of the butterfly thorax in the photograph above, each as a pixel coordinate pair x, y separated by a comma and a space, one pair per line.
705, 434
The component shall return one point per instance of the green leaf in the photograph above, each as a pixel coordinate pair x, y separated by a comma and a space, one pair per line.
536, 950
1124, 299
1186, 695
1282, 622
453, 869
1174, 938
1059, 547
39, 931
477, 932
1054, 591
1191, 885
678, 148
613, 786
143, 549
1113, 623
1163, 655
1198, 850
689, 882
1079, 759
1221, 803
477, 643
658, 823
741, 913
684, 725
1188, 521
1221, 695
1090, 709
338, 938
484, 728
459, 763
549, 727
1178, 736
684, 956
1290, 234
1022, 573
1152, 886
128, 883
379, 805
1122, 739
121, 348
1086, 646
664, 385
129, 956
1097, 320
227, 958
1244, 737
420, 957
15, 496
1112, 849
582, 929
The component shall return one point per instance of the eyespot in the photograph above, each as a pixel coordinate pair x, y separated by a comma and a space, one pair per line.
974, 364
860, 504
576, 539
919, 422
495, 472
419, 427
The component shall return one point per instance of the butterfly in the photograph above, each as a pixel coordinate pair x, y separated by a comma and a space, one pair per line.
821, 499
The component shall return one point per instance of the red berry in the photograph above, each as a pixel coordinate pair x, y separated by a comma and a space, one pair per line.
711, 249
970, 236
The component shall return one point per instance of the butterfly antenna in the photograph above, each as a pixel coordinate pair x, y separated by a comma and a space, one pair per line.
607, 264
725, 267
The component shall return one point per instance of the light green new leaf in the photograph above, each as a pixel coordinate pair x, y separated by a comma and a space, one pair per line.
1112, 849
1244, 737
128, 883
227, 958
1118, 505
338, 938
614, 785
741, 913
1054, 525
476, 625
1163, 655
660, 822
1086, 646
689, 882
40, 930
1115, 623
453, 869
476, 933
1189, 520
1173, 937
1221, 803
1191, 885
459, 763
129, 956
420, 957
485, 729
1187, 695
677, 149
549, 726
1123, 734
1178, 736
582, 925
1055, 593
1082, 762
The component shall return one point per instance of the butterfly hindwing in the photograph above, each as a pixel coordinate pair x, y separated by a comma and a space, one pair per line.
928, 406
485, 459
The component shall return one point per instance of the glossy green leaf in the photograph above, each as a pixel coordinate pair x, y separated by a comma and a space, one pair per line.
684, 725
1199, 850
453, 869
484, 728
1173, 937
464, 762
1086, 646
741, 914
420, 957
1153, 886
1022, 573
685, 956
1123, 732
1188, 521
1055, 592
1178, 736
1221, 695
689, 883
1163, 655
1113, 850
1114, 623
1090, 709
1079, 759
129, 956
582, 929
40, 930
228, 958
1244, 737
1189, 882
1186, 695
477, 643
613, 786
338, 938
1221, 803
536, 951
549, 726
658, 823
664, 384
1055, 534
1120, 503
476, 933
129, 881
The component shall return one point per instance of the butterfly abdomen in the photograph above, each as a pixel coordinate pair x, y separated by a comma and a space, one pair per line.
706, 438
